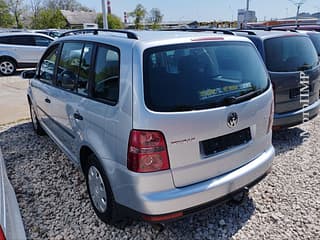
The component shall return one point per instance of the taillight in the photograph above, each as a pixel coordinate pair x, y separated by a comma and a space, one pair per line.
270, 122
2, 236
147, 152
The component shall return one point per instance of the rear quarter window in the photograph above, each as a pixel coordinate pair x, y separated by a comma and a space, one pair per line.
290, 54
107, 74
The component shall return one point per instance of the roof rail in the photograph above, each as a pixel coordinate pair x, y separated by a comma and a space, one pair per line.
214, 30
129, 34
279, 29
296, 25
6, 30
245, 31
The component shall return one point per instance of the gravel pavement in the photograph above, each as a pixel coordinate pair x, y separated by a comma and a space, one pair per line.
55, 205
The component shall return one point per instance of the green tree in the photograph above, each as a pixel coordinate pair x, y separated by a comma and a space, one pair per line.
16, 7
114, 22
36, 6
72, 5
139, 15
6, 19
49, 18
155, 18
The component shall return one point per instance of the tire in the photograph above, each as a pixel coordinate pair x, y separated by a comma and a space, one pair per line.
99, 190
35, 122
240, 197
7, 66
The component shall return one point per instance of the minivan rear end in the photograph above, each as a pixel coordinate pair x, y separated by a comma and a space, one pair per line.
294, 69
201, 124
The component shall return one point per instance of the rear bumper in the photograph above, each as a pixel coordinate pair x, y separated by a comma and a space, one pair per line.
190, 198
296, 117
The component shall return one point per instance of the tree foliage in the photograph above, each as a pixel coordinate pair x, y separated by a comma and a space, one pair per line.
49, 18
114, 22
72, 5
139, 15
36, 6
155, 17
16, 8
6, 19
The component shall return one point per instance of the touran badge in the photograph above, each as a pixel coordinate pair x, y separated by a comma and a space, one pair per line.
232, 120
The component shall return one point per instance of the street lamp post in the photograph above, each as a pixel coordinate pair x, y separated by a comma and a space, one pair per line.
104, 14
298, 3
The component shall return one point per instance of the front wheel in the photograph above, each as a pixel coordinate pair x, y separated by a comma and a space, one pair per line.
7, 66
99, 190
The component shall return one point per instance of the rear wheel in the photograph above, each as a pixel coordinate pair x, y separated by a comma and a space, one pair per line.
99, 190
35, 122
7, 66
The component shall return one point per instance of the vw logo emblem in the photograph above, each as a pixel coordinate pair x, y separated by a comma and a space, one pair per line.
232, 120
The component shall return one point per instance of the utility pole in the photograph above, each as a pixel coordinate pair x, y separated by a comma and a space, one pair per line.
298, 4
104, 14
246, 14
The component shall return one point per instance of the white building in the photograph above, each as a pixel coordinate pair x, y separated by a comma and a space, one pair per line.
245, 16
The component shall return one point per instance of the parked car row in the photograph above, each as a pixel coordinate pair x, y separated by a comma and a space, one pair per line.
166, 123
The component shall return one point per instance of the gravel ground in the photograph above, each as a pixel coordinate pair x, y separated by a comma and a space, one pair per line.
55, 205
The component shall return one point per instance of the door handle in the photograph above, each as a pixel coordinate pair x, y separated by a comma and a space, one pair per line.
47, 100
77, 116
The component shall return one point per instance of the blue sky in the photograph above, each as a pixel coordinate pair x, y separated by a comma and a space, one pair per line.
205, 10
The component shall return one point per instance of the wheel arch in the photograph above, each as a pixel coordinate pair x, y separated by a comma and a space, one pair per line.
4, 57
85, 152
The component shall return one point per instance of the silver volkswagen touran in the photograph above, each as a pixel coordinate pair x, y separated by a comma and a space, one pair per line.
162, 124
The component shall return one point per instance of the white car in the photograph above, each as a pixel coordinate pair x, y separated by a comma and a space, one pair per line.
11, 226
21, 50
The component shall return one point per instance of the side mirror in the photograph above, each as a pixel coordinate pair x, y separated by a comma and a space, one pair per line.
28, 74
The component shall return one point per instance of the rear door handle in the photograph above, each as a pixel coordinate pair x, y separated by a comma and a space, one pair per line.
47, 100
77, 116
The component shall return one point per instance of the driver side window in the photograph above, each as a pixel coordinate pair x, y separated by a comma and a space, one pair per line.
107, 71
47, 65
69, 64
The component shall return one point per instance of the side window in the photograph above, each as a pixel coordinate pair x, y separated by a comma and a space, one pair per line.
69, 64
23, 40
5, 40
47, 65
42, 41
107, 71
84, 72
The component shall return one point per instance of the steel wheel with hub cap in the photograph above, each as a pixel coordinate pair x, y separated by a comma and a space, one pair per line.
7, 66
99, 190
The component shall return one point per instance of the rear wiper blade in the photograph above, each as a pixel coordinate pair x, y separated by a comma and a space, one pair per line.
305, 67
233, 100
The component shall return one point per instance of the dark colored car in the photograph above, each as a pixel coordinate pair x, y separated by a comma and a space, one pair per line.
315, 38
52, 33
306, 27
294, 68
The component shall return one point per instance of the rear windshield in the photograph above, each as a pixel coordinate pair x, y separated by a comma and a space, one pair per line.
290, 54
197, 76
315, 38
